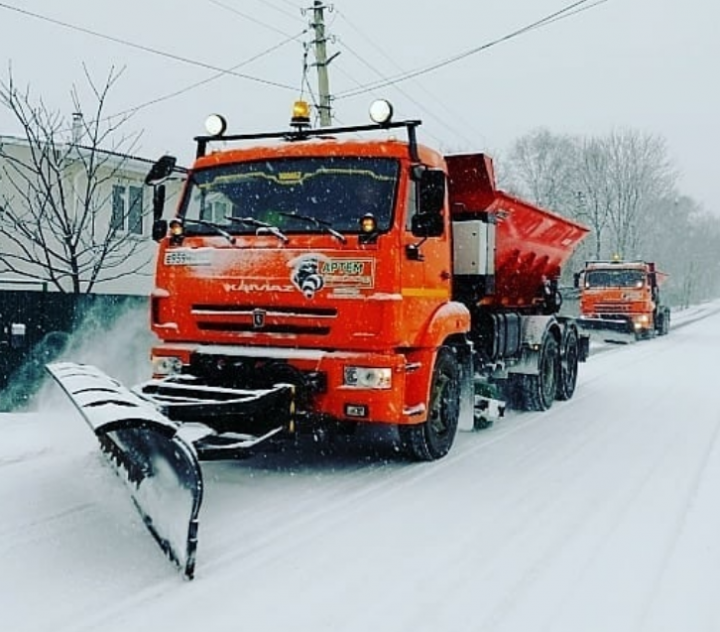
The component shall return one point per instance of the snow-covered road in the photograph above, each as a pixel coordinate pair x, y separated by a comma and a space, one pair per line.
600, 514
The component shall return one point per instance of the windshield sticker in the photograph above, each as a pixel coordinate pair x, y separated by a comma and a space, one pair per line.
291, 177
313, 272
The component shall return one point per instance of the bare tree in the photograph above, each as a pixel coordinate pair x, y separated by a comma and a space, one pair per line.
542, 164
695, 243
543, 169
593, 191
638, 173
58, 223
623, 187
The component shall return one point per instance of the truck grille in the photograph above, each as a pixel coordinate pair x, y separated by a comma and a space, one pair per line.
613, 308
264, 319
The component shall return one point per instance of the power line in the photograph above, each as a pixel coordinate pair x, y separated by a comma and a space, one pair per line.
305, 82
203, 82
247, 17
403, 92
575, 11
197, 84
144, 48
420, 106
283, 11
565, 12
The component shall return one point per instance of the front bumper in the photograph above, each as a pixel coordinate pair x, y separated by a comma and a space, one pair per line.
242, 386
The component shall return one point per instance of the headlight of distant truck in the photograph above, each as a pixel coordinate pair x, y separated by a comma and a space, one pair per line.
166, 365
364, 377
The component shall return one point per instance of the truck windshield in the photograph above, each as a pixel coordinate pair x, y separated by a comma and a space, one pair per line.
295, 195
614, 278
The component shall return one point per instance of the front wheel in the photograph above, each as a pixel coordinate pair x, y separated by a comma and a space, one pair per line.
664, 324
433, 438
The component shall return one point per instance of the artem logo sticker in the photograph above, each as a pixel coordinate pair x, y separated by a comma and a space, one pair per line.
313, 272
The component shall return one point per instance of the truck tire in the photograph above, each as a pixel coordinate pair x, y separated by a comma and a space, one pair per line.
664, 323
433, 438
538, 391
568, 367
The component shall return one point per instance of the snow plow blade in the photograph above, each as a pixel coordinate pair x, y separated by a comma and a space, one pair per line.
607, 329
160, 468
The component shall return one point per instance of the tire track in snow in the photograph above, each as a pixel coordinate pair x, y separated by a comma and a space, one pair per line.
367, 485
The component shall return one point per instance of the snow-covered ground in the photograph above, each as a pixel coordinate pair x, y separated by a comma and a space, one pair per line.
601, 514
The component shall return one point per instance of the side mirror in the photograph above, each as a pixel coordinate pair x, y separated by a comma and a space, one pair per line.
427, 225
431, 192
158, 201
161, 170
576, 279
428, 221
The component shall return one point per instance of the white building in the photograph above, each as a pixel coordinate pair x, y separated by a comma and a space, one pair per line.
47, 193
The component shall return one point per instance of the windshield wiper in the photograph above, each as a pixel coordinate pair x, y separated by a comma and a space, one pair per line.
318, 223
262, 227
217, 228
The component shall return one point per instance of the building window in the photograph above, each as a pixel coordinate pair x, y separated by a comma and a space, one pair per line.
117, 220
135, 210
127, 209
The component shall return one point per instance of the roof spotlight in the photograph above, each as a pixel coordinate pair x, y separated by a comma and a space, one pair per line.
381, 111
215, 125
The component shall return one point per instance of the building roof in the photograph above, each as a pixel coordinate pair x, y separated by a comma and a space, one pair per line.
138, 163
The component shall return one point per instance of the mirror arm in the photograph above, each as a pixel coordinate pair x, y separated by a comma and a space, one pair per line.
412, 251
413, 145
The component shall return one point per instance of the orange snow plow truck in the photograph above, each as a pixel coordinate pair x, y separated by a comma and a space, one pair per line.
311, 280
620, 301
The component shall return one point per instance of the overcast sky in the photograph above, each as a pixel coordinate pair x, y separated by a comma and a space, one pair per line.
649, 65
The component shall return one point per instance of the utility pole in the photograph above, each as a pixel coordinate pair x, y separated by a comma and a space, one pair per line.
322, 62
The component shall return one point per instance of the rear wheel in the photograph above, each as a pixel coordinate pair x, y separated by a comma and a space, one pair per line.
568, 368
539, 390
433, 438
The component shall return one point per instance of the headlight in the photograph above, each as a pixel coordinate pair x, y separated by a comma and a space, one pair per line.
363, 377
166, 365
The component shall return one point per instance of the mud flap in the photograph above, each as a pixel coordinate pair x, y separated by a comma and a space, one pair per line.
160, 468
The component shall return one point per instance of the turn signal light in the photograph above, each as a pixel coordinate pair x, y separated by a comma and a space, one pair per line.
177, 231
368, 223
176, 228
